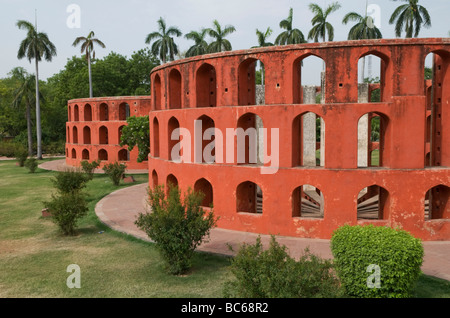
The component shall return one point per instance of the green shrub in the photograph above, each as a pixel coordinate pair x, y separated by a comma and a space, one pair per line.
359, 251
115, 171
70, 180
9, 148
272, 273
21, 155
89, 167
176, 227
31, 164
66, 209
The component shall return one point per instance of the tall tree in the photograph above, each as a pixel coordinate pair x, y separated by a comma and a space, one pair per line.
321, 27
263, 36
364, 28
218, 33
291, 35
26, 93
87, 47
410, 17
36, 46
164, 46
201, 46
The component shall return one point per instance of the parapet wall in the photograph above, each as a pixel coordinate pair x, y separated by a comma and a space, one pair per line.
395, 175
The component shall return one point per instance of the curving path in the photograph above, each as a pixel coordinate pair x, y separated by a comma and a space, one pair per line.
119, 210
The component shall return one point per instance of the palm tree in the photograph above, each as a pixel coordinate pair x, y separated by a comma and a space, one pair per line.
290, 36
36, 46
87, 47
363, 29
410, 17
320, 25
164, 46
200, 47
25, 92
218, 33
262, 37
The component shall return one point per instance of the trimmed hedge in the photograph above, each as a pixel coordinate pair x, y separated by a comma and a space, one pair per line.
361, 251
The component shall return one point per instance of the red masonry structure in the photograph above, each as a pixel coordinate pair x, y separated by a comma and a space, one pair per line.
384, 163
94, 128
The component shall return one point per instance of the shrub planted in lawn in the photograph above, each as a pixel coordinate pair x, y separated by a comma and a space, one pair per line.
21, 155
115, 171
376, 261
31, 164
70, 180
89, 167
176, 227
272, 273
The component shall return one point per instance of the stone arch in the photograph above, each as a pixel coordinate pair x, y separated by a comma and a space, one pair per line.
248, 84
124, 111
155, 181
372, 131
208, 151
383, 78
103, 155
174, 89
75, 135
87, 135
120, 131
308, 140
85, 154
157, 92
204, 186
250, 139
373, 203
123, 155
206, 86
87, 112
307, 202
437, 203
103, 135
155, 137
308, 92
249, 198
171, 181
103, 112
74, 153
76, 113
173, 137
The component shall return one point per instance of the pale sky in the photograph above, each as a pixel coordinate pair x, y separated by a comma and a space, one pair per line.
123, 24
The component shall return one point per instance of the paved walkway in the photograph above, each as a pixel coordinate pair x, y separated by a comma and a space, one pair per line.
119, 210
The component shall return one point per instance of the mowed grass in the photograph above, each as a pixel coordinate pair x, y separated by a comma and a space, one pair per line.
34, 256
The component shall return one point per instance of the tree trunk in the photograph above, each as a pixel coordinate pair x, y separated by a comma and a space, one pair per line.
91, 93
38, 115
30, 134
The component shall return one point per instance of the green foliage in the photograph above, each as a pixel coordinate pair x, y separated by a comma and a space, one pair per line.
66, 209
89, 167
70, 181
115, 171
8, 149
398, 255
31, 164
177, 227
137, 133
21, 155
272, 273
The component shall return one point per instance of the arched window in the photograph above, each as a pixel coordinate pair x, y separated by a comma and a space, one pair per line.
103, 135
308, 140
171, 182
70, 113
75, 135
87, 112
157, 92
372, 69
309, 80
249, 198
155, 138
102, 155
373, 203
307, 202
76, 113
250, 139
68, 135
74, 154
87, 135
85, 154
124, 111
103, 112
174, 139
251, 82
120, 133
124, 155
205, 188
206, 86
372, 129
174, 89
155, 179
208, 151
437, 203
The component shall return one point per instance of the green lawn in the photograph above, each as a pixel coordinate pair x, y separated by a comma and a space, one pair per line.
34, 256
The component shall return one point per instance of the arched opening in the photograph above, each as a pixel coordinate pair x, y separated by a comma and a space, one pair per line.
103, 135
437, 79
307, 202
203, 186
174, 89
76, 113
120, 133
123, 155
251, 82
371, 139
250, 139
155, 181
69, 110
208, 151
85, 154
157, 93
171, 182
103, 155
206, 86
87, 135
124, 111
372, 203
308, 138
87, 112
103, 112
155, 138
174, 140
68, 135
74, 154
372, 85
309, 80
437, 203
249, 198
75, 134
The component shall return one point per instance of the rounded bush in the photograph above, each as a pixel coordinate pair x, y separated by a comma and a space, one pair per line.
376, 262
